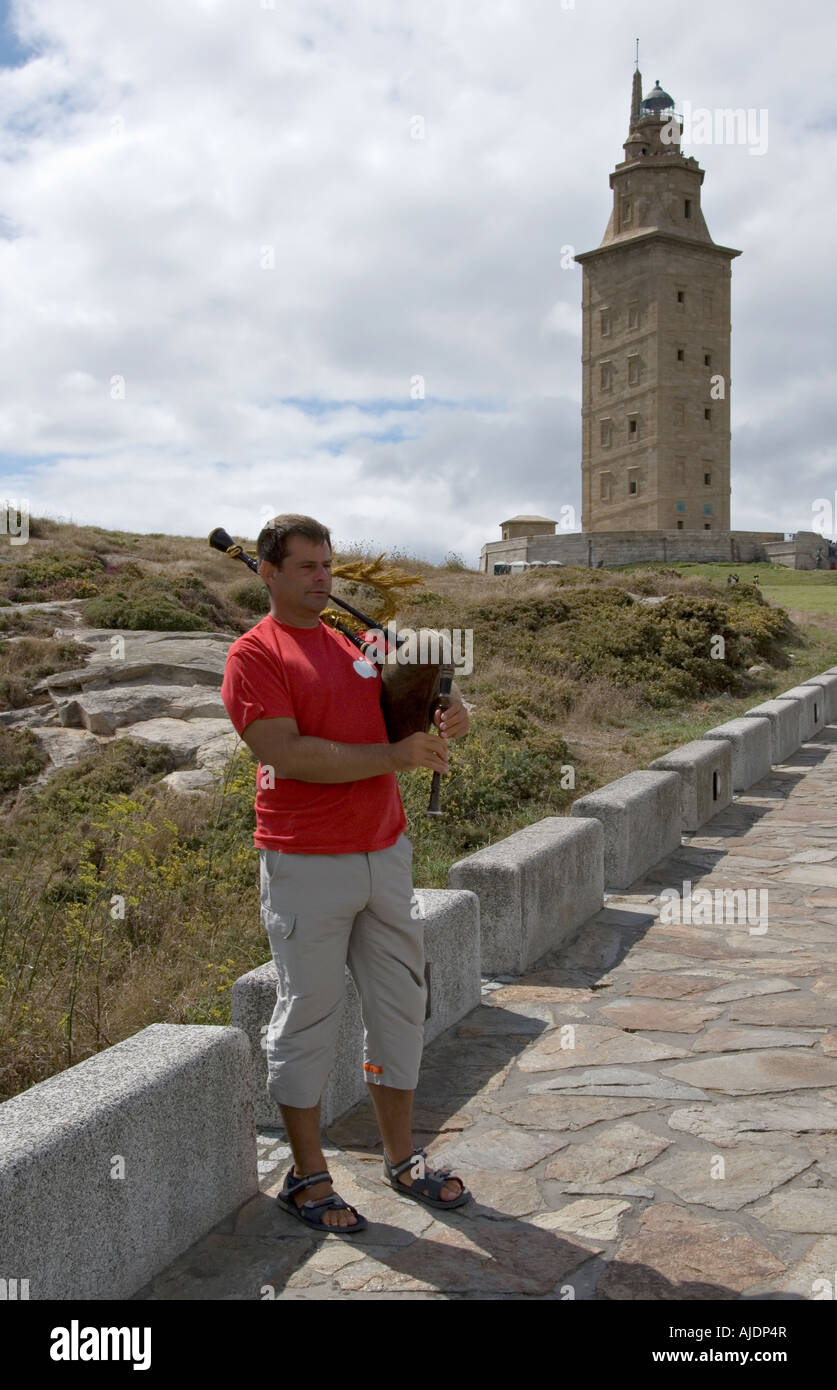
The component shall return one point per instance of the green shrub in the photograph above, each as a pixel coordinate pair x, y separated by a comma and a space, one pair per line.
42, 526
157, 602
30, 595
21, 758
120, 595
132, 610
28, 660
14, 693
589, 630
253, 596
45, 572
129, 569
163, 603
80, 587
27, 623
117, 769
642, 583
35, 624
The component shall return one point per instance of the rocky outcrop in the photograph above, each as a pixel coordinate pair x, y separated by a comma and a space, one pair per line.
64, 746
106, 710
150, 687
185, 737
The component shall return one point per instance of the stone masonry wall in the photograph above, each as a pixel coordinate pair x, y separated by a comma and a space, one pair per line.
632, 547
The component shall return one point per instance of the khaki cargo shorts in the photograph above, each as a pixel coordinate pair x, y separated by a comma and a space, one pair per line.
323, 912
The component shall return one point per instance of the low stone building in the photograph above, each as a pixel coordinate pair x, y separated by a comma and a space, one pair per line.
518, 526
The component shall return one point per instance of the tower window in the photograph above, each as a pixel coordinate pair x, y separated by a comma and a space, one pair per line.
680, 525
681, 506
633, 428
707, 412
707, 359
681, 355
607, 376
604, 323
681, 296
707, 525
604, 487
707, 478
687, 208
605, 436
633, 314
627, 211
633, 370
707, 509
632, 487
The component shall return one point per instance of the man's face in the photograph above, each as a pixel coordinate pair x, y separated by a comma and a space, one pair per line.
302, 583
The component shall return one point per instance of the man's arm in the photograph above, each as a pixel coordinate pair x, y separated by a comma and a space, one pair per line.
277, 743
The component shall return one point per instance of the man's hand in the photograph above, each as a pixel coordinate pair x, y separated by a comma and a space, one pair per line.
421, 750
454, 721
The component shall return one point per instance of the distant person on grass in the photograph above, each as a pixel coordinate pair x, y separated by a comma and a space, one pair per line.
336, 880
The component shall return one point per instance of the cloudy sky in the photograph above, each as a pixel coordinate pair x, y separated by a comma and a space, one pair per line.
262, 256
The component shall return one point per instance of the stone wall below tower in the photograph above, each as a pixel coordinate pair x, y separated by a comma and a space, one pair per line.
590, 548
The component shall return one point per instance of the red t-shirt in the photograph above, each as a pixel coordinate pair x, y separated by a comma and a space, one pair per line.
319, 678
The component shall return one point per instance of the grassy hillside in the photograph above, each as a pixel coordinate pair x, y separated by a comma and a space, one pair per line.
122, 904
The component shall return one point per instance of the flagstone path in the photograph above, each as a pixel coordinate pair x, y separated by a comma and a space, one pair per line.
650, 1114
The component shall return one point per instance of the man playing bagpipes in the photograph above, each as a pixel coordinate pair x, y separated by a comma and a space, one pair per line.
335, 865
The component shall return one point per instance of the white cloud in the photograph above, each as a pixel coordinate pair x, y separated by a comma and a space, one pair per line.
152, 153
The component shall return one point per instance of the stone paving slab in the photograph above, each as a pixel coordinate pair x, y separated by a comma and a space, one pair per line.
651, 1113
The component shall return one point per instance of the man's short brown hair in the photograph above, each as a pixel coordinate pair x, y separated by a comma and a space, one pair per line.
272, 544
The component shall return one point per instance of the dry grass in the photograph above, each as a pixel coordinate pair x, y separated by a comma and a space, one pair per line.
76, 973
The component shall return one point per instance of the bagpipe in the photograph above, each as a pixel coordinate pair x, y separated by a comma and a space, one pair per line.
412, 690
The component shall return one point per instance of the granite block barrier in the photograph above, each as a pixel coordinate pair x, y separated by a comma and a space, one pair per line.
640, 815
785, 726
812, 709
453, 972
535, 889
750, 741
828, 684
111, 1169
705, 770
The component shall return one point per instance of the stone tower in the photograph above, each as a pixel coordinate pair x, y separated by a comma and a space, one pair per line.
656, 340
